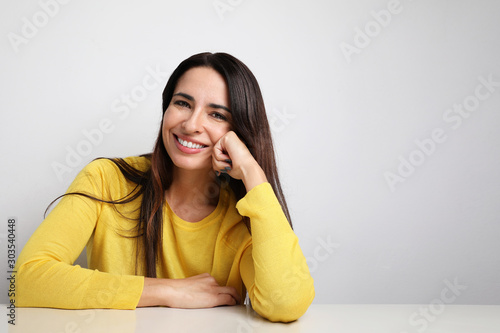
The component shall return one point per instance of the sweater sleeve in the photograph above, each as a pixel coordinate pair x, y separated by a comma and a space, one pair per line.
273, 268
46, 276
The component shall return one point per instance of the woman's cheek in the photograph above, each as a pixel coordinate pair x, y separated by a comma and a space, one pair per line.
220, 133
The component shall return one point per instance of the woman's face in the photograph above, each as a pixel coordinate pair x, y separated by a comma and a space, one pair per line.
196, 118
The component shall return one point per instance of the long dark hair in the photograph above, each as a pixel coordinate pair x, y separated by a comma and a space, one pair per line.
249, 123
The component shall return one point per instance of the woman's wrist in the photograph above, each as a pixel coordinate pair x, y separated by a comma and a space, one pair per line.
253, 175
153, 293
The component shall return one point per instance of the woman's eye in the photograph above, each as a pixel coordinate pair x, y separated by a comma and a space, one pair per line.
183, 104
219, 116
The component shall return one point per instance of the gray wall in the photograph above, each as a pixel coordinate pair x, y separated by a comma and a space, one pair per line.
386, 127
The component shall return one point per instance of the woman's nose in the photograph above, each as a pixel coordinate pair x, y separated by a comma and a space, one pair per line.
194, 122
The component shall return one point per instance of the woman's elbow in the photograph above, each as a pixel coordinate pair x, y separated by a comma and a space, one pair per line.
30, 278
285, 306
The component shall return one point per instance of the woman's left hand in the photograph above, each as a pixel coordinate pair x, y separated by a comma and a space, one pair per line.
231, 156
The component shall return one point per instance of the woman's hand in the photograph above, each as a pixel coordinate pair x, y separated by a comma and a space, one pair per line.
199, 291
231, 156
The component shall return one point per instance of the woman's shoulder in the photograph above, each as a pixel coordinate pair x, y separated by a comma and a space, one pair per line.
110, 173
106, 165
141, 163
110, 170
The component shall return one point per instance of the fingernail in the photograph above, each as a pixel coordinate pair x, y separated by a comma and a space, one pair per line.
228, 161
227, 169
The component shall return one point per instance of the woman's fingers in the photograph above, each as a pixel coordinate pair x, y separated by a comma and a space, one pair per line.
230, 154
226, 299
221, 291
220, 158
230, 291
199, 291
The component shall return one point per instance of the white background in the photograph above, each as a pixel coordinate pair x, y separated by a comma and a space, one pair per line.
341, 122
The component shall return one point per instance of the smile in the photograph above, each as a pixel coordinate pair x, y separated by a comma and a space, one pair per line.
189, 144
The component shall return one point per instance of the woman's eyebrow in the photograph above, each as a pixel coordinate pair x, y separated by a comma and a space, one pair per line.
217, 106
186, 96
212, 105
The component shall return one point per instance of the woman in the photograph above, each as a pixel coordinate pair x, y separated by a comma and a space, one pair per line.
198, 223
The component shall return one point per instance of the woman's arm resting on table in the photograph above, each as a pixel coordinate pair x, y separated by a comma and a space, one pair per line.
199, 291
46, 276
273, 268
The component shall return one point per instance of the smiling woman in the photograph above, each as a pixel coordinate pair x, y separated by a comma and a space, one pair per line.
196, 118
200, 222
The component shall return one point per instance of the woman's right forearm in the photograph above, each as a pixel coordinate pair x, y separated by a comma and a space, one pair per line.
199, 291
153, 293
41, 282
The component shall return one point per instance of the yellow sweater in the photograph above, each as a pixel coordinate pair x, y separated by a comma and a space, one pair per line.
269, 262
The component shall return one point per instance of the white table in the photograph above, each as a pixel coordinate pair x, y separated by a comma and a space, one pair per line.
241, 319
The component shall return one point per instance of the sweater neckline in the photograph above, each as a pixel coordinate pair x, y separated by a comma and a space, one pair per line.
206, 221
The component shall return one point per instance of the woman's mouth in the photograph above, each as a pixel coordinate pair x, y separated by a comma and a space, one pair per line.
188, 146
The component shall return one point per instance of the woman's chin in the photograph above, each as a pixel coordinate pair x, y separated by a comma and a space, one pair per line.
190, 166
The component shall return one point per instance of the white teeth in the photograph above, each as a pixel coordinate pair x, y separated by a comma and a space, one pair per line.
189, 144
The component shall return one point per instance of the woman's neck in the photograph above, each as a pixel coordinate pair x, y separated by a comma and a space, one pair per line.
193, 188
